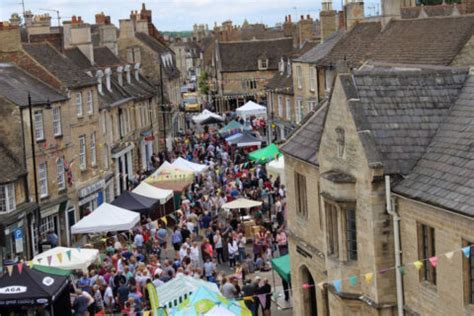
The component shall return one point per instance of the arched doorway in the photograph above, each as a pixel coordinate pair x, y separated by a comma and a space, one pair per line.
309, 294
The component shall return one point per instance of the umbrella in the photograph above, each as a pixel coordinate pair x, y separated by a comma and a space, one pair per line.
241, 203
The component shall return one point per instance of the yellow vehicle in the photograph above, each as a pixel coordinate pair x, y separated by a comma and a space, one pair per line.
191, 102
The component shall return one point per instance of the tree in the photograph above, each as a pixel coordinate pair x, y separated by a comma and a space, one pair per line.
202, 83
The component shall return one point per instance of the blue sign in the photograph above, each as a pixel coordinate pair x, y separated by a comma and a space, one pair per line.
100, 198
18, 233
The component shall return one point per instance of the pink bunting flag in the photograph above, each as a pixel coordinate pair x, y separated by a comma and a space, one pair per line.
434, 261
20, 267
10, 270
50, 258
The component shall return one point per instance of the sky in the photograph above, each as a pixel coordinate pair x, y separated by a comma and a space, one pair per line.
178, 15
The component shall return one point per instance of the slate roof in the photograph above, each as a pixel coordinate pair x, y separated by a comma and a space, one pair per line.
78, 57
397, 112
243, 56
320, 51
16, 83
353, 46
434, 41
170, 69
444, 176
11, 168
430, 11
104, 57
59, 65
283, 81
304, 142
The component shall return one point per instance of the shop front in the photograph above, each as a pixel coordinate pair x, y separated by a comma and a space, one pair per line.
146, 150
123, 164
90, 197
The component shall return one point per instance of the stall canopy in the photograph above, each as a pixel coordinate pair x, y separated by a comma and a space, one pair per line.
251, 109
27, 288
282, 266
174, 292
106, 218
211, 120
198, 119
241, 203
266, 154
232, 128
187, 165
277, 168
243, 140
171, 178
135, 202
67, 258
150, 191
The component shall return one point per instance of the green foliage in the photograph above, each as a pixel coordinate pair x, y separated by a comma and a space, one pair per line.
202, 83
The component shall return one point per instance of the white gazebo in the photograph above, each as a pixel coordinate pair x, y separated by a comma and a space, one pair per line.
106, 218
204, 115
241, 203
251, 108
187, 165
67, 258
153, 192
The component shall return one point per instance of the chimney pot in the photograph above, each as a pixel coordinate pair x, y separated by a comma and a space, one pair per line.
302, 17
308, 17
289, 18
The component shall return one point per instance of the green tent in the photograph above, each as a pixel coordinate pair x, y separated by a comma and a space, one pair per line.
266, 154
282, 266
52, 270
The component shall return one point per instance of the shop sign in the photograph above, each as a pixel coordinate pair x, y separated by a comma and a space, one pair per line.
91, 188
13, 289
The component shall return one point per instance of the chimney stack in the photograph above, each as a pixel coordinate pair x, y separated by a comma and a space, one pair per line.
328, 20
304, 31
353, 13
78, 34
9, 37
101, 19
127, 29
141, 26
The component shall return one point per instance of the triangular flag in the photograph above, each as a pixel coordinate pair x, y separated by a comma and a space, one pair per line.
164, 220
50, 258
384, 270
353, 280
337, 285
60, 257
450, 255
418, 264
69, 253
20, 267
368, 277
39, 260
467, 251
402, 270
434, 261
10, 270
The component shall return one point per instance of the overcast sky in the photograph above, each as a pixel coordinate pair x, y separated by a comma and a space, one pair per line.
177, 15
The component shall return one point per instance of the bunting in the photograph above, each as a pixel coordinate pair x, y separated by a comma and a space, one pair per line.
353, 280
10, 270
337, 285
60, 257
434, 261
69, 253
20, 267
418, 264
50, 258
467, 251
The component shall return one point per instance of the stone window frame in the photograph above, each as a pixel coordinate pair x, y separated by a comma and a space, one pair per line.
90, 102
299, 77
312, 79
301, 195
43, 179
263, 64
339, 238
426, 239
341, 142
288, 108
7, 198
38, 125
299, 110
93, 150
57, 126
280, 106
79, 108
60, 174
468, 274
82, 153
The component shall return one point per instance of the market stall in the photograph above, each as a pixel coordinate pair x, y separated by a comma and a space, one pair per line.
186, 165
241, 203
230, 129
174, 292
67, 258
164, 196
106, 218
277, 168
251, 109
24, 290
211, 120
243, 140
138, 203
206, 114
266, 154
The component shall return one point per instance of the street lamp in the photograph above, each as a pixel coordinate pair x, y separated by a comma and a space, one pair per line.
35, 176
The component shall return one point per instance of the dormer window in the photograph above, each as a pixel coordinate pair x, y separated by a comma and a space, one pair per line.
128, 74
263, 64
341, 142
281, 66
108, 73
120, 75
288, 68
137, 71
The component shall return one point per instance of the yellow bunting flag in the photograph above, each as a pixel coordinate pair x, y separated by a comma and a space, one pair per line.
164, 220
10, 270
60, 257
30, 264
450, 255
418, 264
368, 277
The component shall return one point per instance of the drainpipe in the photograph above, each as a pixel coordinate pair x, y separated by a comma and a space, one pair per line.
396, 230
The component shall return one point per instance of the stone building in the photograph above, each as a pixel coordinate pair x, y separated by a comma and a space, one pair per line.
51, 142
89, 181
342, 151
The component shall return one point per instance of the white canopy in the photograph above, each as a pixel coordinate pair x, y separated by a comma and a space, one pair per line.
106, 218
181, 287
187, 165
205, 115
153, 192
241, 203
277, 168
219, 311
251, 108
67, 258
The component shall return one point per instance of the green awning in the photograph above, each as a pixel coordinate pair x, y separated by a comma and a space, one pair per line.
266, 154
282, 266
52, 270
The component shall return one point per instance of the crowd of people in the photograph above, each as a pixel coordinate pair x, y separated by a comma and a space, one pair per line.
203, 240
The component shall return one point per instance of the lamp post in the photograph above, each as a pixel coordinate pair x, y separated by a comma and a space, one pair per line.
35, 176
